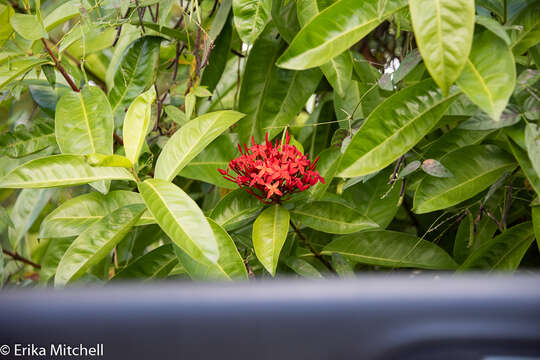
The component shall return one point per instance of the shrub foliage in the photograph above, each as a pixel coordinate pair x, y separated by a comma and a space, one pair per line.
232, 139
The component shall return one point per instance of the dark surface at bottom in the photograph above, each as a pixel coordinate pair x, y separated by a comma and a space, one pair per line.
377, 317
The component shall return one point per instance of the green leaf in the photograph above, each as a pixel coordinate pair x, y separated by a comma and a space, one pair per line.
156, 264
394, 128
375, 199
191, 139
269, 234
504, 252
482, 121
137, 124
338, 71
525, 165
229, 266
218, 57
175, 114
331, 218
489, 75
27, 207
28, 26
443, 30
334, 30
303, 268
250, 18
52, 256
23, 142
327, 166
6, 12
109, 160
532, 141
84, 122
529, 34
284, 15
392, 249
475, 168
96, 242
181, 219
75, 215
271, 97
13, 69
236, 209
536, 223
453, 140
435, 168
164, 30
493, 26
136, 73
470, 236
60, 170
61, 14
204, 167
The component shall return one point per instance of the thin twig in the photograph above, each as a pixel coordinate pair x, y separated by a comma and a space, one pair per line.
118, 139
141, 14
507, 205
394, 176
59, 66
17, 257
317, 255
119, 29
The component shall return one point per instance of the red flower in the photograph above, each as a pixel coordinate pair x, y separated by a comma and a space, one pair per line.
271, 171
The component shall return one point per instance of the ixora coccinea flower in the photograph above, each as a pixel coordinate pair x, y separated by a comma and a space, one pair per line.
272, 171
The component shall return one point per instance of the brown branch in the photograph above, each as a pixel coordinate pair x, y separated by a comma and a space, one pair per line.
394, 176
118, 139
119, 29
59, 66
17, 257
317, 254
141, 14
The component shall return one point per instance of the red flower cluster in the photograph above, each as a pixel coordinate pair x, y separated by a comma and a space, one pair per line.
271, 171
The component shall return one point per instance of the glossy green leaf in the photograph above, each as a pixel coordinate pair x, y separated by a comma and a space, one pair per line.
331, 218
96, 242
443, 30
75, 215
435, 168
229, 266
536, 223
61, 14
393, 128
392, 249
489, 75
250, 18
334, 30
156, 264
84, 122
136, 73
17, 67
525, 165
27, 207
204, 167
470, 236
22, 141
482, 121
51, 258
504, 252
109, 160
475, 168
271, 97
375, 198
338, 71
303, 268
236, 209
269, 234
327, 166
493, 26
181, 219
60, 170
529, 31
532, 142
6, 12
170, 33
137, 124
191, 139
28, 26
453, 140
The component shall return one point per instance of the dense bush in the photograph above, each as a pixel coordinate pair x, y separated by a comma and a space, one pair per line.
364, 135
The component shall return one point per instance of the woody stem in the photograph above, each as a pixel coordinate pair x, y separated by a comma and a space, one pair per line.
317, 254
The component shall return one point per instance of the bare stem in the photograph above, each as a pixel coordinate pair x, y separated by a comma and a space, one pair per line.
59, 66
